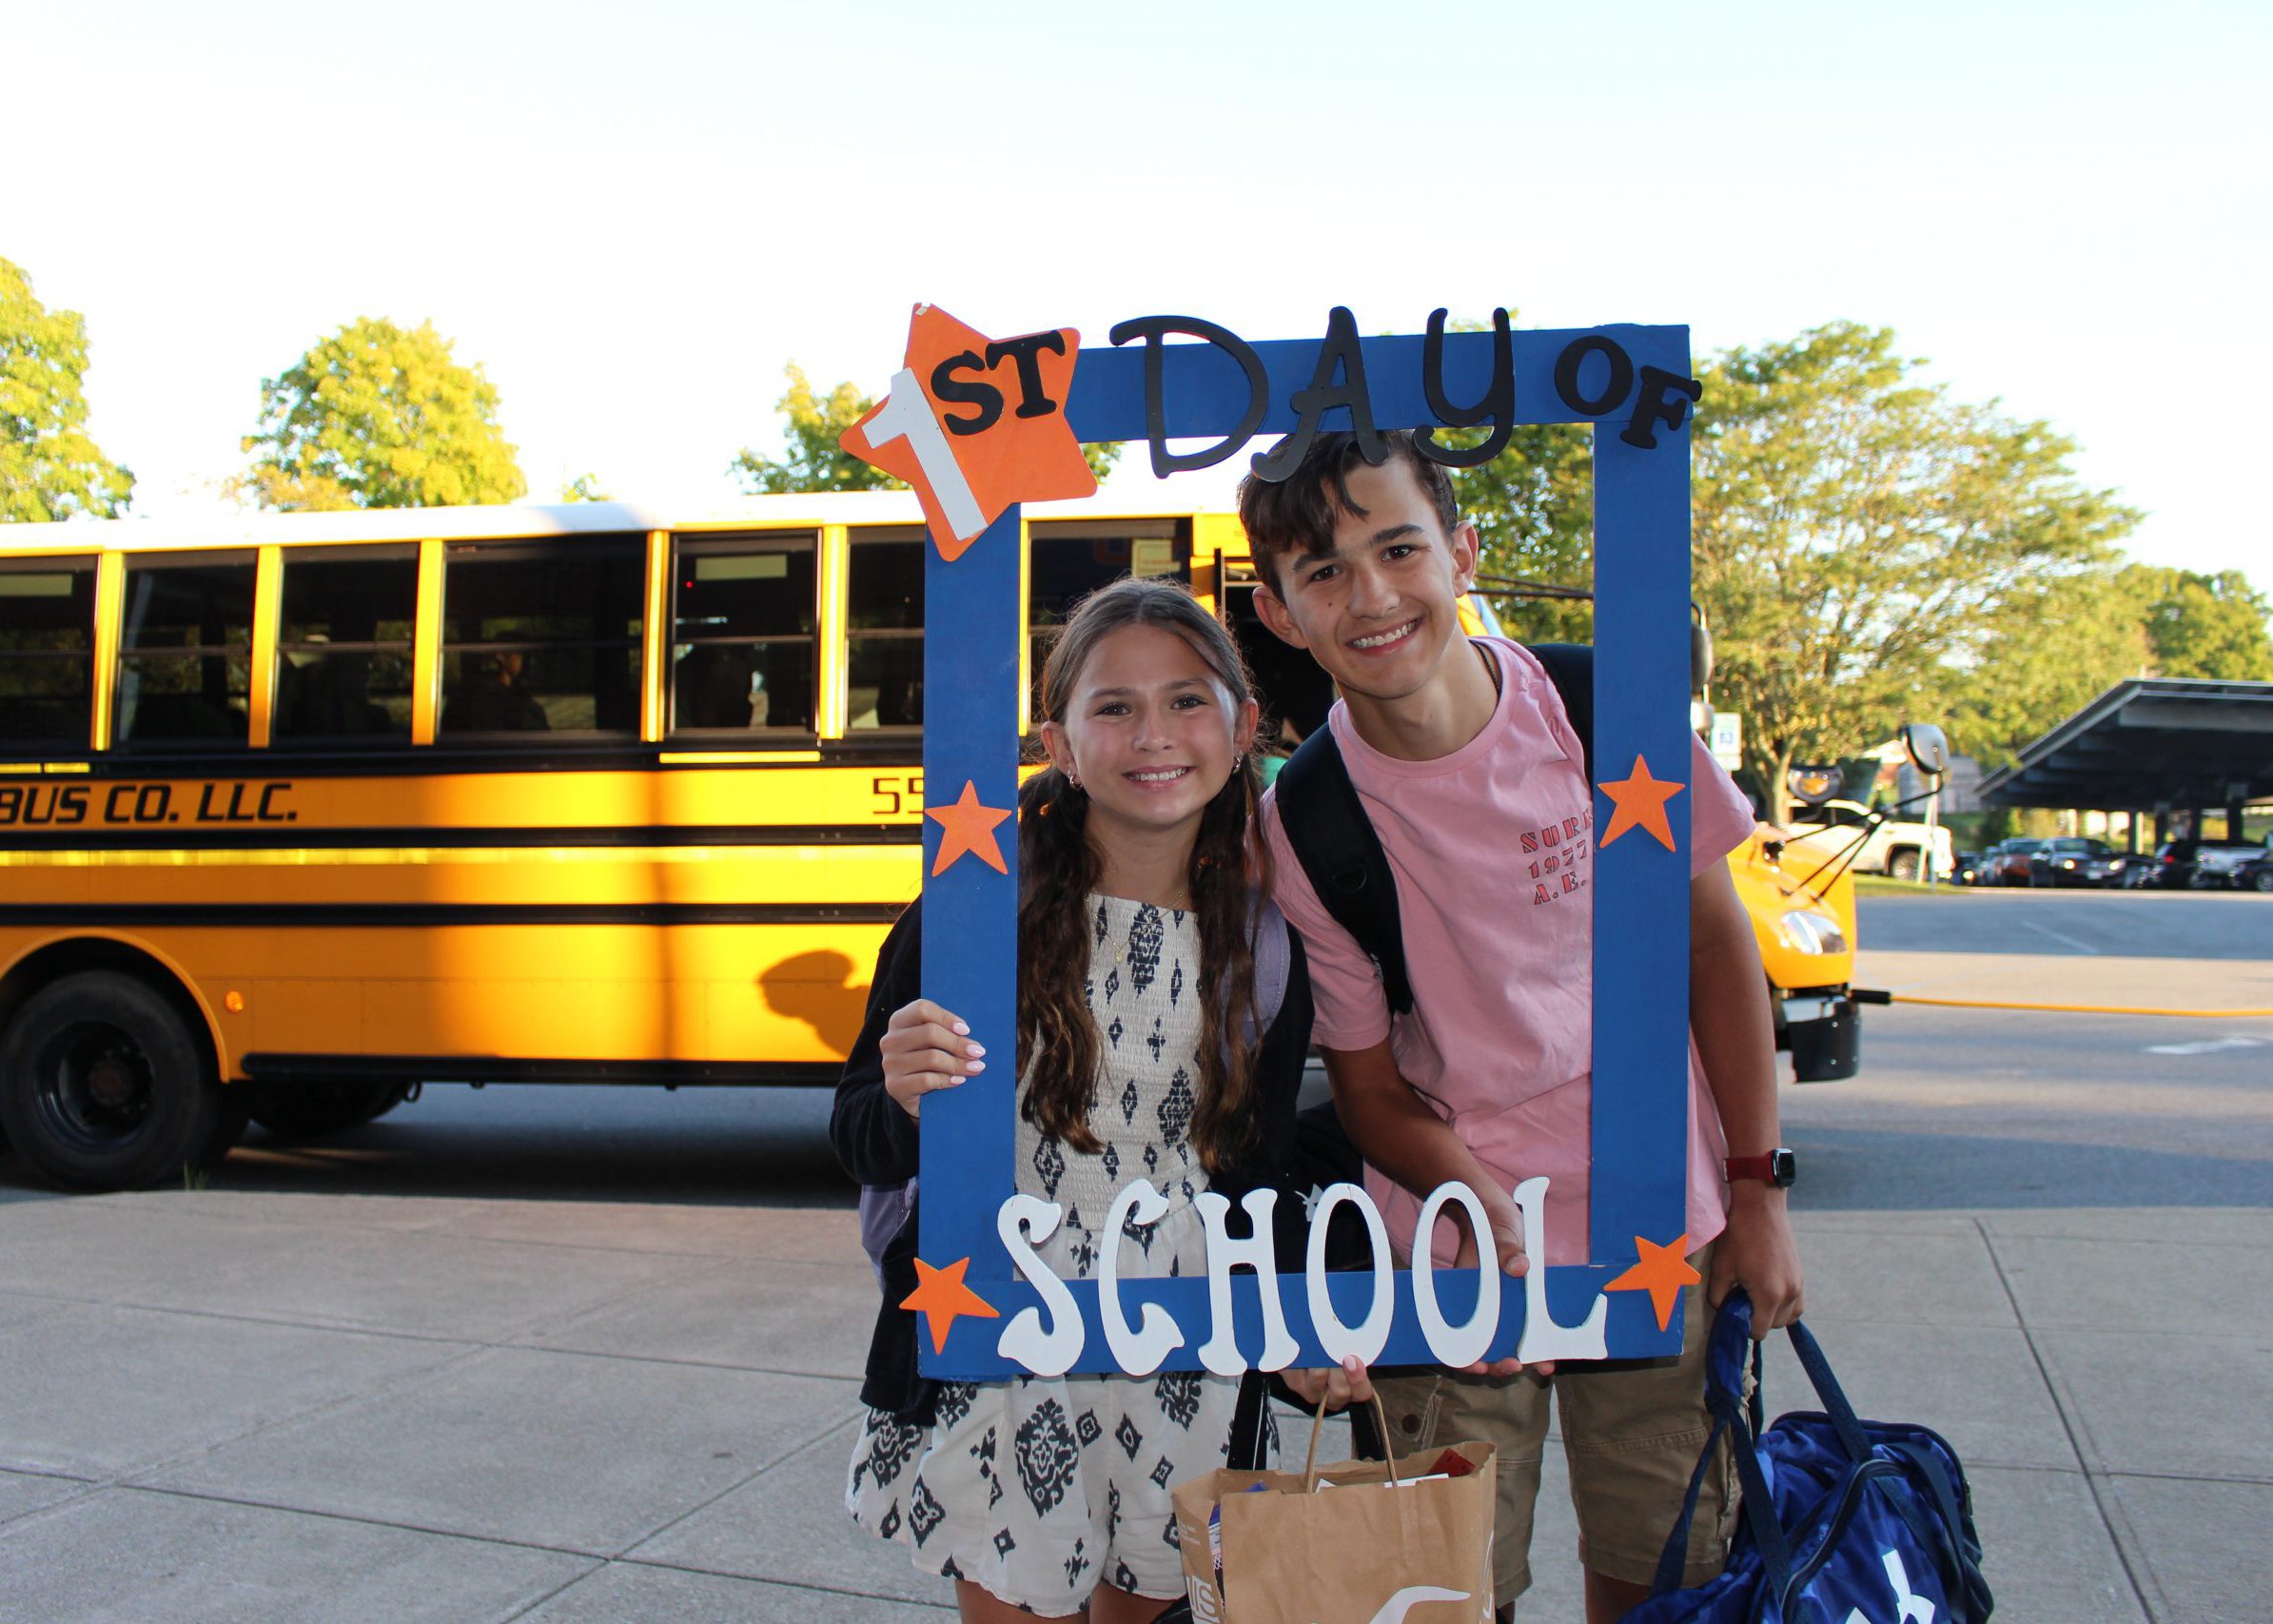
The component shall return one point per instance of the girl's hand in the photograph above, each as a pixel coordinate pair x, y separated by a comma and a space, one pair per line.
926, 1047
1341, 1388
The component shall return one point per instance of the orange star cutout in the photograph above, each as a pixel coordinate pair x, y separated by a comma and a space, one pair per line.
976, 425
969, 827
1662, 1272
942, 1298
1639, 802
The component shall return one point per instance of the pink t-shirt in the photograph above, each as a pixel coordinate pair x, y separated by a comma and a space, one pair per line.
1492, 850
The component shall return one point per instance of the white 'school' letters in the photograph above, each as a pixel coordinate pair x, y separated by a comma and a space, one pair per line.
1051, 1349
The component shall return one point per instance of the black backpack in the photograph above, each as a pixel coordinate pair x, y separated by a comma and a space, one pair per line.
1334, 842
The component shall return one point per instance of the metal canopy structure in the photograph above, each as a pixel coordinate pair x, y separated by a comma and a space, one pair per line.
2150, 744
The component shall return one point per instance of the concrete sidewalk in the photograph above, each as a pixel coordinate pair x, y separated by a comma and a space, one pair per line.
257, 1407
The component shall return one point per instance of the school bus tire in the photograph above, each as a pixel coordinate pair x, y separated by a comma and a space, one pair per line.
317, 1111
104, 1085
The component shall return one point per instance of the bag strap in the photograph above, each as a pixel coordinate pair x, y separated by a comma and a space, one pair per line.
1758, 1503
1828, 1389
1343, 857
1317, 1426
1571, 667
1963, 1583
1250, 1420
1741, 1420
1854, 1485
1674, 1559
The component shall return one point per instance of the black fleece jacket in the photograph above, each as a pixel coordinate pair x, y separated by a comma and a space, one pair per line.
876, 1142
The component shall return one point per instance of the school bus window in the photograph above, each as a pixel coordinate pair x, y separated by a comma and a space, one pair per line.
743, 654
883, 640
1070, 558
344, 645
186, 649
542, 639
46, 652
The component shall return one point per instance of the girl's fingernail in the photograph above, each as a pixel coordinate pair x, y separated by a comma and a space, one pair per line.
962, 1030
975, 1050
975, 1066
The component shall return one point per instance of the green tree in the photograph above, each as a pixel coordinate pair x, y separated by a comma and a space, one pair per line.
2050, 648
812, 461
381, 416
1533, 509
2204, 625
48, 466
1867, 550
1858, 534
584, 488
2046, 649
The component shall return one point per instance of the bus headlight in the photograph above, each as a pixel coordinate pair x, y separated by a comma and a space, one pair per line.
1811, 933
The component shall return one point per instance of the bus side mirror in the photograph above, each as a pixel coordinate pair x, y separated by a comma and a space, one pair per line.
1927, 747
1700, 655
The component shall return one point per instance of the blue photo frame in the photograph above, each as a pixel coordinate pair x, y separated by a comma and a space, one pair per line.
974, 628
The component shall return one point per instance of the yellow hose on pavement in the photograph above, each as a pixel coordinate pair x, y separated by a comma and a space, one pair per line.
1861, 997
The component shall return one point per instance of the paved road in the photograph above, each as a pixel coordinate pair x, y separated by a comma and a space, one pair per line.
2230, 926
565, 1355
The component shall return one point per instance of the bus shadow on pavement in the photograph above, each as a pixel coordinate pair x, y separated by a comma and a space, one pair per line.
715, 1146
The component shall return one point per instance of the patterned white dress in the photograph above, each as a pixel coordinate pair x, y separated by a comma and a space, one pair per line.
1037, 1489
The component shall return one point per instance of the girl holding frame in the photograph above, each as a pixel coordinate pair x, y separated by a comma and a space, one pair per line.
1142, 1051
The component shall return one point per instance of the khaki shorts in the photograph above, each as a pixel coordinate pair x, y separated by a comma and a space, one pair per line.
1631, 1431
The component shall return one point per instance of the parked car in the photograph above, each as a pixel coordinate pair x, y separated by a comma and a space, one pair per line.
2257, 874
1968, 872
2008, 862
2074, 861
2218, 864
2201, 865
1853, 836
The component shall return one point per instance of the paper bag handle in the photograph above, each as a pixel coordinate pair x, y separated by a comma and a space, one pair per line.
1317, 1426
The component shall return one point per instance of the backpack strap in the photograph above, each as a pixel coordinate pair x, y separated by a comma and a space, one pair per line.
1571, 667
1342, 856
1273, 966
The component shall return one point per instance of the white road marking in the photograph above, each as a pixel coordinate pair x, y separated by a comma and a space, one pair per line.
2209, 1045
2062, 936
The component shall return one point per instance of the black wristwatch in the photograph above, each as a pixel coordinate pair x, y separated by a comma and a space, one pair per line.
1778, 1167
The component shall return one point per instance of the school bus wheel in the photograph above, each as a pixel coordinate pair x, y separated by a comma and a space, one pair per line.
315, 1110
105, 1086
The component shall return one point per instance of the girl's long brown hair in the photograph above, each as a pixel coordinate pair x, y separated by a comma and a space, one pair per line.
1058, 868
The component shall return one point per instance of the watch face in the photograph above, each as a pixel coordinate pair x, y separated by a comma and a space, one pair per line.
1782, 1168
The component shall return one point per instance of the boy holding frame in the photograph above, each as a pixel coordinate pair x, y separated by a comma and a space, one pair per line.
1468, 766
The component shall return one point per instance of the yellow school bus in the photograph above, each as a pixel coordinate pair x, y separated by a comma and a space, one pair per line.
297, 811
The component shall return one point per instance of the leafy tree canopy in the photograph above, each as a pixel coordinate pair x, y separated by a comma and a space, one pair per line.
812, 461
1862, 538
1866, 549
381, 416
2203, 625
584, 488
49, 468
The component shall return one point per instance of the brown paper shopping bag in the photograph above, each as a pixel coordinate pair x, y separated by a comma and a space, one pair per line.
1368, 1542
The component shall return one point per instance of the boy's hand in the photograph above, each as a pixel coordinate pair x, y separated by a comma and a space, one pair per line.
924, 1049
1758, 1252
1507, 1238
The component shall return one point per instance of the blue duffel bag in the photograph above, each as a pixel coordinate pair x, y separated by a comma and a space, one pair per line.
1845, 1522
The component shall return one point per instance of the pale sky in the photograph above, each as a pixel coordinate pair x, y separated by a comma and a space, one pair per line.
633, 216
